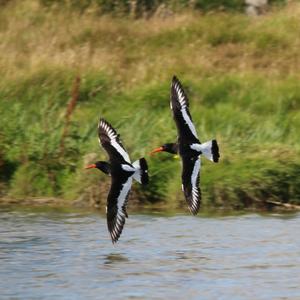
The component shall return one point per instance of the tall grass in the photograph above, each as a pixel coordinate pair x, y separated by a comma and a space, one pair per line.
241, 76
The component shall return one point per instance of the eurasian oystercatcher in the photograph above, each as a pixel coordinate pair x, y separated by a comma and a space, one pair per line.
122, 172
188, 146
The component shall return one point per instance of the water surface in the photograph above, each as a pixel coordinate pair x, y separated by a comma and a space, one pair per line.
56, 254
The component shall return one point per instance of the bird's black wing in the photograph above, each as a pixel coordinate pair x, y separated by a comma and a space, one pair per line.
180, 107
110, 141
116, 205
190, 182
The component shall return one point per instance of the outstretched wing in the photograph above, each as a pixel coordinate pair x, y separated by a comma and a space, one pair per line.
190, 182
180, 107
116, 206
110, 141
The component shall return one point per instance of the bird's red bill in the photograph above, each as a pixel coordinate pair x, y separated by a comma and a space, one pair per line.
156, 150
90, 166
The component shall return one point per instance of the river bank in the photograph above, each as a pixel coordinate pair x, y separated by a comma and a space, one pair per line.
136, 206
61, 72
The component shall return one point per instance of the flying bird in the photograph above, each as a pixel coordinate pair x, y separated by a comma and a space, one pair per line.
122, 173
188, 146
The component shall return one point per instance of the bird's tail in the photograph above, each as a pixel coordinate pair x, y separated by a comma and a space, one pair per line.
141, 173
210, 150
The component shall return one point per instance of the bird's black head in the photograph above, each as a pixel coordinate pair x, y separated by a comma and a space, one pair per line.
169, 147
101, 165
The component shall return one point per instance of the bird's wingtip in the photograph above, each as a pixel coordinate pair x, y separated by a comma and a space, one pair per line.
174, 79
101, 120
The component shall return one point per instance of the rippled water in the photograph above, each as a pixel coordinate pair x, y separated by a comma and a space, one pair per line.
67, 255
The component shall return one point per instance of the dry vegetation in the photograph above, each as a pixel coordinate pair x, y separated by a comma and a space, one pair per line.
34, 38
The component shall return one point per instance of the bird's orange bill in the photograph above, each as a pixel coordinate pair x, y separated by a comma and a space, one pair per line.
90, 166
156, 150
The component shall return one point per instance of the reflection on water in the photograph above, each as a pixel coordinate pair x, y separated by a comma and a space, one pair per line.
54, 254
115, 258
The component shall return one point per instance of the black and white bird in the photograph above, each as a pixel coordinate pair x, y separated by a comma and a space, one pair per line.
188, 147
122, 172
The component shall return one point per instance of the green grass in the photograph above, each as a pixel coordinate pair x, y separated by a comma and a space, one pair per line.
240, 74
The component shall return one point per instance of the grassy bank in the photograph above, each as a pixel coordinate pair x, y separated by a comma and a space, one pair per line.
61, 71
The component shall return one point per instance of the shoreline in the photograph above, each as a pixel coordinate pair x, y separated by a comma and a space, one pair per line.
135, 206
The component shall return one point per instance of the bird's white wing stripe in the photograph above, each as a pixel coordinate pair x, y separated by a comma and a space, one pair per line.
183, 104
189, 122
117, 146
195, 173
122, 196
